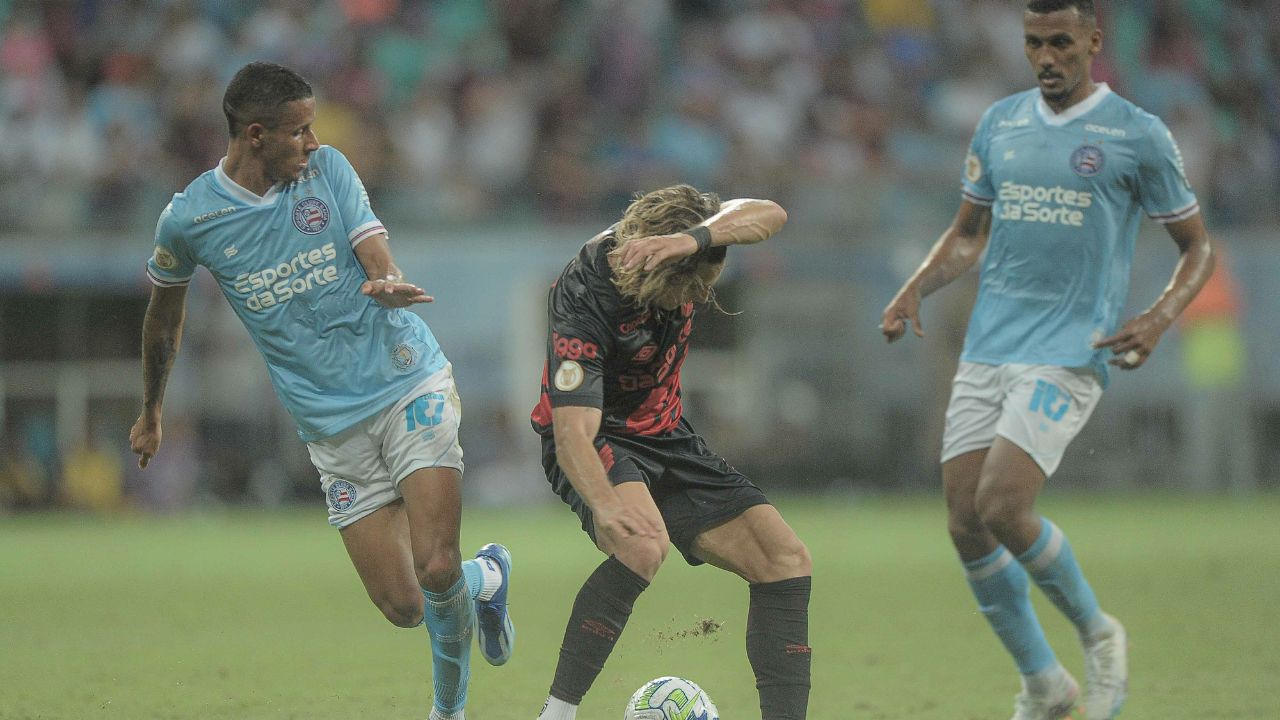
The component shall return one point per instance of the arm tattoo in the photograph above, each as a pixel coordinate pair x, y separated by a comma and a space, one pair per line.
157, 360
161, 339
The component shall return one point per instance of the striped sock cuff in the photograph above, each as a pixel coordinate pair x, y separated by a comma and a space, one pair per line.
1045, 549
985, 567
448, 597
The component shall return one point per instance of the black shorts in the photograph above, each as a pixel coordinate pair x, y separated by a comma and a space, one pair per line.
694, 488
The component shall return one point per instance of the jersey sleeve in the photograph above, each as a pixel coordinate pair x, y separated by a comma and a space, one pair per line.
976, 184
353, 202
580, 339
1163, 188
171, 264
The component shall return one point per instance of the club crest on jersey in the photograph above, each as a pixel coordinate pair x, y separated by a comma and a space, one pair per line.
311, 216
342, 495
569, 376
1087, 160
403, 356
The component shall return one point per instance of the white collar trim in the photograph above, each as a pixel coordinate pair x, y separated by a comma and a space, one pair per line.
239, 192
1075, 111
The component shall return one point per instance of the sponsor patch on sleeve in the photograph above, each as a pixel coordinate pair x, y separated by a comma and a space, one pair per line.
569, 376
165, 260
972, 168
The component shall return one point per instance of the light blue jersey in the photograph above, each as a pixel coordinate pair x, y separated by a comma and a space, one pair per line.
1065, 192
286, 262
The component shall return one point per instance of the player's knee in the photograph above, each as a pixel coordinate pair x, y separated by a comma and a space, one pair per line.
402, 608
440, 571
789, 559
1000, 512
643, 556
965, 528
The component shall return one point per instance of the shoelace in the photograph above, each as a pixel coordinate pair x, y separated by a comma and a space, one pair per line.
1030, 705
1101, 661
1033, 707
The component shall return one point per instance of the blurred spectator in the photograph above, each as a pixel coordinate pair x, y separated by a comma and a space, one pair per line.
23, 483
1220, 452
497, 126
39, 441
853, 115
172, 478
93, 476
535, 103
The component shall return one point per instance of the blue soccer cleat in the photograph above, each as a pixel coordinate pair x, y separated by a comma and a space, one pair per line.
497, 635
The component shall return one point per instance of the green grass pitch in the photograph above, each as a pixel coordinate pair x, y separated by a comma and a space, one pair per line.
249, 615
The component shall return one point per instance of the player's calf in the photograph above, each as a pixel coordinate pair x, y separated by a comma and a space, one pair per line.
599, 614
778, 646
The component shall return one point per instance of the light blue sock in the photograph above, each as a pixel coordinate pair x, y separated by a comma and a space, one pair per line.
1053, 566
474, 575
449, 617
484, 577
1002, 590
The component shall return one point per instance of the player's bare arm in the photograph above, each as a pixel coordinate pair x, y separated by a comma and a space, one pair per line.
575, 431
954, 253
161, 339
741, 221
1137, 339
386, 283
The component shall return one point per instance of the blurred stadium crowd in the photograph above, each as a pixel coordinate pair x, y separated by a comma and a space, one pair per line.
457, 111
462, 114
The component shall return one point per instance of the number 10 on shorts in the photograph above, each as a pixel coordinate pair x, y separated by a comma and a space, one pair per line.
426, 411
1045, 396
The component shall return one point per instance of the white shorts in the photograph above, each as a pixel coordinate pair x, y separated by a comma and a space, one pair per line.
1039, 408
361, 467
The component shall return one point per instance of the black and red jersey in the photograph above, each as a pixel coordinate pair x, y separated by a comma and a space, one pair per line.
606, 353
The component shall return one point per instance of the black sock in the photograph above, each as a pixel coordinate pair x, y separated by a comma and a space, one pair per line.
778, 646
599, 614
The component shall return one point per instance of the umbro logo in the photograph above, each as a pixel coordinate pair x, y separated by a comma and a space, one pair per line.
230, 251
1010, 154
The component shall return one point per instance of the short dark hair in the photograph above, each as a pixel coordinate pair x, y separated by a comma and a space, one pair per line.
1044, 7
258, 91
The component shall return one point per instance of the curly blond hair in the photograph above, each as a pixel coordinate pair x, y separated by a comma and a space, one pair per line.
666, 212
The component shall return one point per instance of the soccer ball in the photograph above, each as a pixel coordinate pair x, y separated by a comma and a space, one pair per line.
670, 698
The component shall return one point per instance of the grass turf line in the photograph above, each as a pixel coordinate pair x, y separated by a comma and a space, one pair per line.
255, 615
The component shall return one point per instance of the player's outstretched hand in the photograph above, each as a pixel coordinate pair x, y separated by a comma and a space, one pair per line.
903, 310
144, 439
655, 250
1134, 343
622, 521
392, 294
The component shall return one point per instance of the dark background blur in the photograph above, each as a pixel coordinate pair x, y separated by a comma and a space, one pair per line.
496, 137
